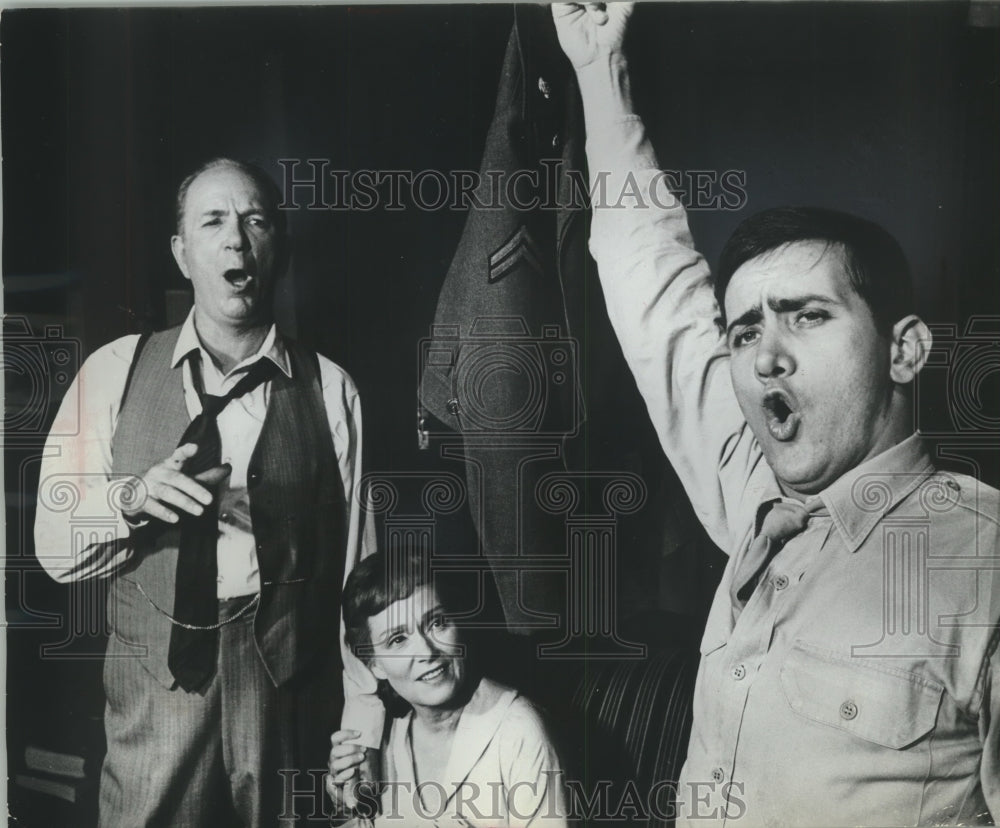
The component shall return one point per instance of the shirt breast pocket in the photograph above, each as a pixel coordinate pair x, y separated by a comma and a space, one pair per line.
879, 704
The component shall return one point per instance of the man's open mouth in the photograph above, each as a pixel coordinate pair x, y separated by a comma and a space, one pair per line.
782, 418
238, 278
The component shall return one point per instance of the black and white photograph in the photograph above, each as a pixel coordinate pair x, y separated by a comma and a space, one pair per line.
488, 415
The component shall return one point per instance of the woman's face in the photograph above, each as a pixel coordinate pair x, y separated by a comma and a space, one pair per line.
418, 650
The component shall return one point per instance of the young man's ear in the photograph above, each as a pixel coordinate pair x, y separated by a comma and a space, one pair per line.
911, 344
177, 248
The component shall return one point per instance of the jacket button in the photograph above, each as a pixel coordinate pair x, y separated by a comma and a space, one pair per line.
544, 88
739, 671
781, 582
848, 710
718, 774
453, 406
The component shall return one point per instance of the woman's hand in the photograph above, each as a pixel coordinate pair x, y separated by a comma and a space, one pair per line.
343, 765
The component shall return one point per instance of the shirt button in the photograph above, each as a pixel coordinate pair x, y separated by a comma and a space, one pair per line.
223, 515
718, 774
848, 710
739, 671
781, 582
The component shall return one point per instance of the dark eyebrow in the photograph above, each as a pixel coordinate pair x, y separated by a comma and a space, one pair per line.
794, 303
755, 314
389, 633
789, 305
253, 211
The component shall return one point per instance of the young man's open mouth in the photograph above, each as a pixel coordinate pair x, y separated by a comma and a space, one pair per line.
782, 418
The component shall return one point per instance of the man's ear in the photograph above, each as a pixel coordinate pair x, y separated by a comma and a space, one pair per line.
911, 344
177, 248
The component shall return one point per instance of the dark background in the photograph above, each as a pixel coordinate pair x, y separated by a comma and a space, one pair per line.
887, 110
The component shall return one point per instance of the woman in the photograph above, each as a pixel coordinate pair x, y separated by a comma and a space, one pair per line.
468, 751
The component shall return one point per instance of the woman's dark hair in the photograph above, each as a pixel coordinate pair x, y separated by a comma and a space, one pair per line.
875, 263
375, 583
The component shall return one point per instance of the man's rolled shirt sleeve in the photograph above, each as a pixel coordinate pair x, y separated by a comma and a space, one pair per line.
75, 481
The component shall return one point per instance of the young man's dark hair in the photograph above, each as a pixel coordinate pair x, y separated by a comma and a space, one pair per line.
875, 263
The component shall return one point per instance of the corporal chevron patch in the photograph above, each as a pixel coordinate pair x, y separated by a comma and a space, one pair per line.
520, 248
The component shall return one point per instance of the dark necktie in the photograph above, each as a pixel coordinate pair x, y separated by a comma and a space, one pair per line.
194, 637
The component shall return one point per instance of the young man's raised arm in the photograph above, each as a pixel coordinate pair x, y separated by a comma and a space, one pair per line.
657, 286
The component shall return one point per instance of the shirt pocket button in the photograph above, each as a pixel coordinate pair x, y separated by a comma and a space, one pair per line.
848, 710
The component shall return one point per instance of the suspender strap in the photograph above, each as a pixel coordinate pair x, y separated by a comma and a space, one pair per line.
143, 339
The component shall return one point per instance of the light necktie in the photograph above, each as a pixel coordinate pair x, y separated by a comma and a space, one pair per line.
783, 521
194, 637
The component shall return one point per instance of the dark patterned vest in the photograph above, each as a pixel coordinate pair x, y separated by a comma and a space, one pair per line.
297, 508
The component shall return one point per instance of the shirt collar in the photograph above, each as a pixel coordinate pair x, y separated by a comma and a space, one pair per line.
272, 348
862, 497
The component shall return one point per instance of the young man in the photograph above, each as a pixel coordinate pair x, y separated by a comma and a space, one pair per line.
843, 680
233, 456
